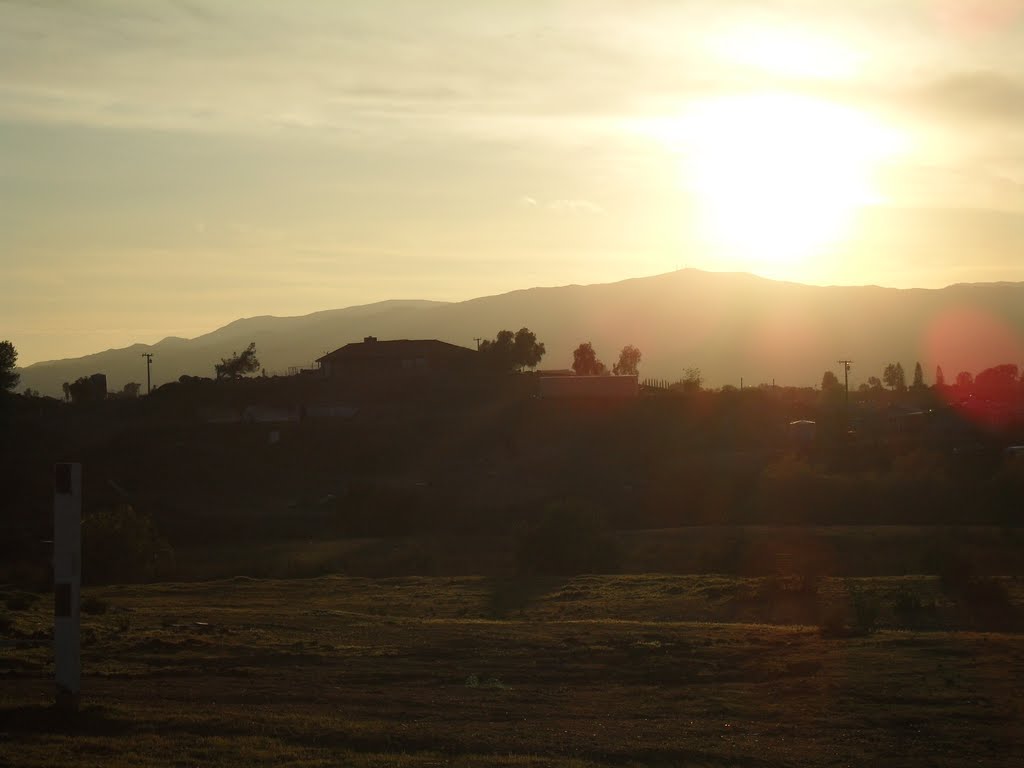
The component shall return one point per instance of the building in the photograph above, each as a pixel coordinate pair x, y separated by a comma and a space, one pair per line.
400, 357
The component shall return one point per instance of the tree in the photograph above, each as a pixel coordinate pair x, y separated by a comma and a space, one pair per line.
88, 389
67, 392
8, 359
889, 376
692, 380
940, 377
894, 377
998, 382
830, 382
874, 383
964, 380
527, 350
238, 365
131, 389
512, 351
585, 362
499, 352
629, 361
918, 377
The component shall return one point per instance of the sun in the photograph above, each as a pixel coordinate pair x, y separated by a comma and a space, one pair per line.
778, 177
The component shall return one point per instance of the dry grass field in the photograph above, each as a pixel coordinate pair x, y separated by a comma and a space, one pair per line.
586, 671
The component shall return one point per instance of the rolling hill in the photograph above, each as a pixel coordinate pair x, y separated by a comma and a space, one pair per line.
728, 325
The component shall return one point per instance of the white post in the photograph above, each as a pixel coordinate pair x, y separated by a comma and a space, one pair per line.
67, 577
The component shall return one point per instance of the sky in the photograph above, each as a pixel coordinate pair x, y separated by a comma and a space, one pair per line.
167, 167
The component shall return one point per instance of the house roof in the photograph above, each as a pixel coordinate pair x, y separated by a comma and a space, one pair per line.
396, 349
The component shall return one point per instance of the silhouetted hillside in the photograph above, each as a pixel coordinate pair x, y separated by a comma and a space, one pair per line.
728, 325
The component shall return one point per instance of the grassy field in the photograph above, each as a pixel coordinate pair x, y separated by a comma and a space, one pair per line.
752, 550
595, 670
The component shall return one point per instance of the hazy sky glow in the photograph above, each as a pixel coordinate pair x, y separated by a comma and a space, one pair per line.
166, 167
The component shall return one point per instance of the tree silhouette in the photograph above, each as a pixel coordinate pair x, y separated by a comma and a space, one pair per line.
585, 362
918, 377
67, 392
874, 383
692, 380
82, 390
238, 364
499, 353
830, 382
894, 377
8, 359
527, 350
964, 380
940, 377
512, 351
629, 361
998, 382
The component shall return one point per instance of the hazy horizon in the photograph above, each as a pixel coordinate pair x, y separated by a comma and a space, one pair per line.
170, 167
205, 331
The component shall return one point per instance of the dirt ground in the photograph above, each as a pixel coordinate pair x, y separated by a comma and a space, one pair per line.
470, 671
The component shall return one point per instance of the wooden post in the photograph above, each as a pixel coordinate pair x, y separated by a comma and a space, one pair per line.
67, 576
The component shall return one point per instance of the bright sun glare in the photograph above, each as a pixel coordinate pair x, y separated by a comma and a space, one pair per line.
778, 177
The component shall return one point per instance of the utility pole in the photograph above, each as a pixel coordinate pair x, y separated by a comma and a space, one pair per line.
477, 343
149, 364
67, 580
846, 382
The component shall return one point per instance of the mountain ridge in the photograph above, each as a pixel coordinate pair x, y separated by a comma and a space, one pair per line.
731, 325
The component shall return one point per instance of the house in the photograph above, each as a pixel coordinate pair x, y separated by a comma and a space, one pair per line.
399, 357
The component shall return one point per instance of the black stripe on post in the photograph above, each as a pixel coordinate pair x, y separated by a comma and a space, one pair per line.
61, 600
62, 479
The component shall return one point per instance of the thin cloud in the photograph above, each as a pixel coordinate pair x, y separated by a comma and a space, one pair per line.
975, 95
575, 206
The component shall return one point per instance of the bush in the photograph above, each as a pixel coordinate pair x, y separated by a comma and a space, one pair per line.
121, 544
953, 569
833, 623
836, 623
94, 606
568, 539
865, 613
20, 601
988, 602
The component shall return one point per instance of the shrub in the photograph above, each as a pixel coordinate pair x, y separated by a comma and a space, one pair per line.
865, 613
20, 601
907, 604
120, 544
953, 569
569, 538
94, 606
833, 623
988, 602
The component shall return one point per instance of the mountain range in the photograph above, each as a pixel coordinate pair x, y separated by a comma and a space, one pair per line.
731, 326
